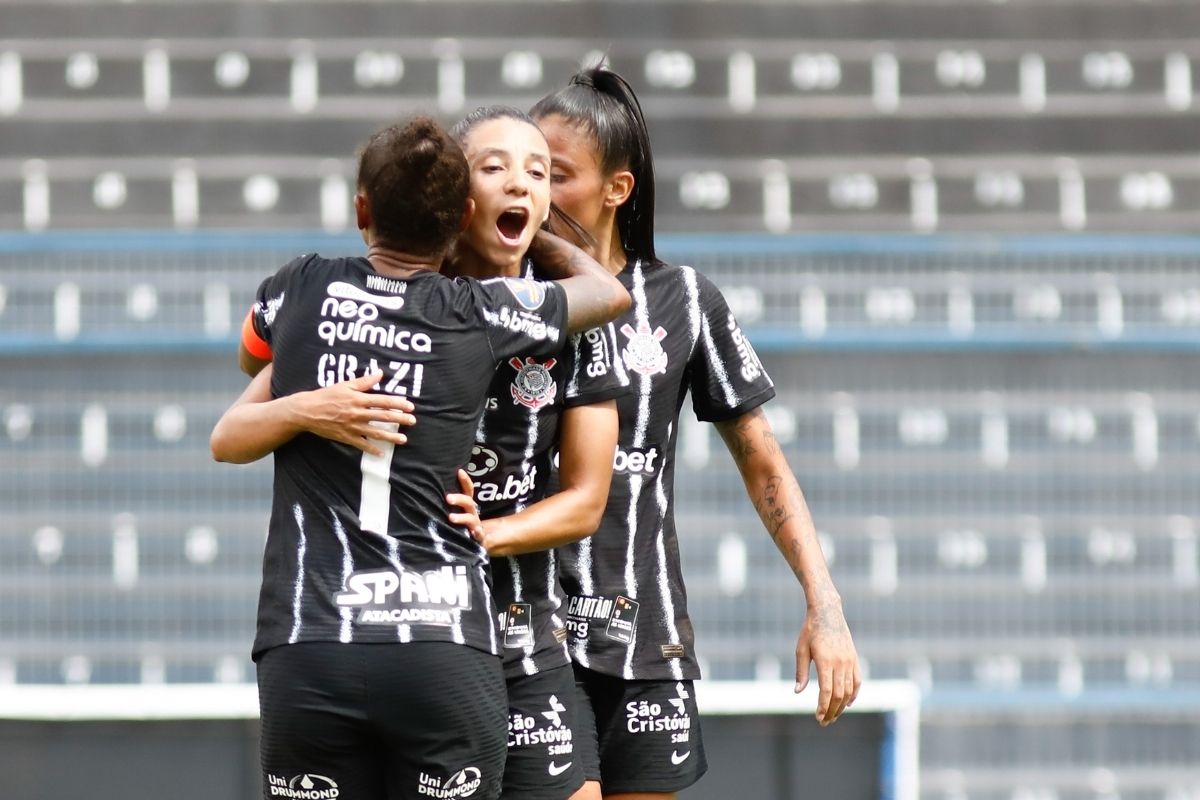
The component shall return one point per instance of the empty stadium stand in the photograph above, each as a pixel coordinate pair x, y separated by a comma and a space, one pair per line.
773, 117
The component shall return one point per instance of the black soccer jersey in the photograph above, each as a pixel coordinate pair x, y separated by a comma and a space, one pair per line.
511, 464
627, 610
360, 548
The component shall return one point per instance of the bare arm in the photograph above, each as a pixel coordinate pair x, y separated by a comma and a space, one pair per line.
594, 295
825, 638
248, 363
256, 425
588, 441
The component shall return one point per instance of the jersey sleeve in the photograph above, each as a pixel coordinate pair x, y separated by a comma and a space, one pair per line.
522, 316
258, 330
595, 374
724, 374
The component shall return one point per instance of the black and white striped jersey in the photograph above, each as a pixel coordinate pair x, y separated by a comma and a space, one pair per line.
627, 611
359, 547
511, 465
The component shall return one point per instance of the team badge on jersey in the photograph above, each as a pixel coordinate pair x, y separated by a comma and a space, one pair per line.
644, 353
533, 387
530, 294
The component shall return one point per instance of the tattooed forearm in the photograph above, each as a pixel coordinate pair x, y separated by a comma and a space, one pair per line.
741, 446
774, 505
781, 502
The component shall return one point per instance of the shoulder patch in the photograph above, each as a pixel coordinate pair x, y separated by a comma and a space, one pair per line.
530, 294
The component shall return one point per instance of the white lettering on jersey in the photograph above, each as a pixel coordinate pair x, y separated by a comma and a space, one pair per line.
375, 490
522, 322
350, 321
751, 366
514, 488
635, 461
598, 365
445, 586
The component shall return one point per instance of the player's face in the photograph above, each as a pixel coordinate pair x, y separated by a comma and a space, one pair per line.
510, 184
577, 184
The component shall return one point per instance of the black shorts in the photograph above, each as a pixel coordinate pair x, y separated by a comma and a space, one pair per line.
370, 721
542, 762
638, 736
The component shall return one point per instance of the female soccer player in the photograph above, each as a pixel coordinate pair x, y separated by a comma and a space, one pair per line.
376, 636
534, 406
630, 634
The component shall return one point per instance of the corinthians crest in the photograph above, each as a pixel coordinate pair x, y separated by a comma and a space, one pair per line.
644, 354
533, 387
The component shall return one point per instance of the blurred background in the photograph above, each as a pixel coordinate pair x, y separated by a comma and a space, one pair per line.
959, 233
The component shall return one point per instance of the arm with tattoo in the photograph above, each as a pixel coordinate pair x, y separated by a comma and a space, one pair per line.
780, 504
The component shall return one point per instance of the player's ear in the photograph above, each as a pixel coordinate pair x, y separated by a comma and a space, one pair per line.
468, 214
362, 212
619, 188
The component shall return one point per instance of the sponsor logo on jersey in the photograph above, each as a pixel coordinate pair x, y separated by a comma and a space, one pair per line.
463, 783
350, 320
387, 597
582, 610
597, 366
348, 291
534, 386
514, 487
523, 322
483, 460
644, 353
530, 294
635, 461
308, 786
751, 366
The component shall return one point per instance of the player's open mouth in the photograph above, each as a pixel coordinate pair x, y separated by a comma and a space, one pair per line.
511, 224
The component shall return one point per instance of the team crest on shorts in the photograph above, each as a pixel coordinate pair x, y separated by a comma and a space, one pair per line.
644, 353
533, 387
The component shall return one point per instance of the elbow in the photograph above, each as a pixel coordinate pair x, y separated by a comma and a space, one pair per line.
588, 513
622, 302
221, 448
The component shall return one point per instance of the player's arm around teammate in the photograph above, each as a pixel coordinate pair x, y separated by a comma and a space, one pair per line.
588, 440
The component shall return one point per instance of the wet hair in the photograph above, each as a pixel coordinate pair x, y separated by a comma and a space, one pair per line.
559, 220
416, 180
605, 105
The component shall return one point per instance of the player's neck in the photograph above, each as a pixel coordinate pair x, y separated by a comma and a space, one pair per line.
468, 263
610, 252
399, 264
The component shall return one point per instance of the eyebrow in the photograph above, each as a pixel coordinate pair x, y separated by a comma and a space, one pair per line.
502, 153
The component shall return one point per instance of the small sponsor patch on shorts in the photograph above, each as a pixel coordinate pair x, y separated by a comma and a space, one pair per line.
673, 651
